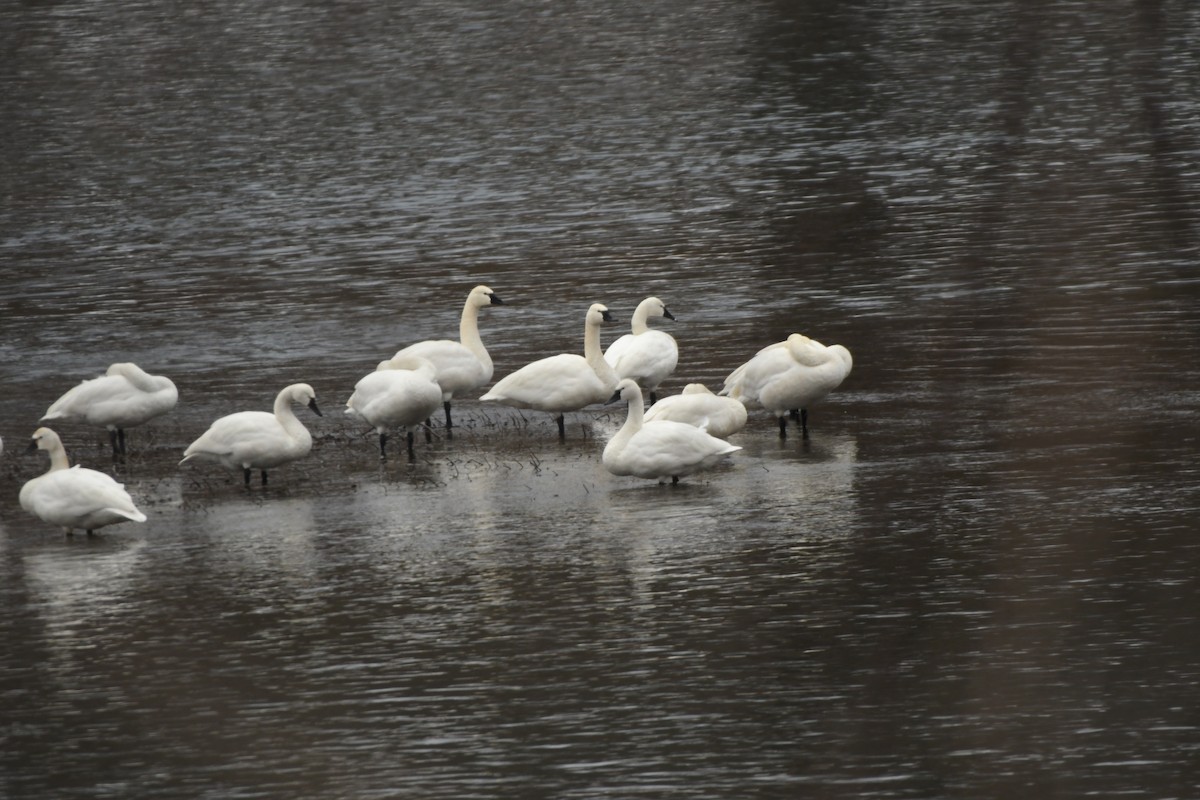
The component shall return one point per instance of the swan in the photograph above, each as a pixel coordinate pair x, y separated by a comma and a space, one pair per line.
789, 375
74, 497
464, 364
400, 393
720, 416
124, 396
659, 449
646, 355
565, 382
256, 439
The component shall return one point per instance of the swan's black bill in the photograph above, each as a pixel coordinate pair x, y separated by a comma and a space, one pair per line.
607, 315
667, 313
495, 299
616, 398
313, 405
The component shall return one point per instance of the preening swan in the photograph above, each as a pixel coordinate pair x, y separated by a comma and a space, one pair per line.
565, 382
257, 440
124, 396
720, 416
790, 375
646, 355
74, 497
400, 393
464, 364
662, 449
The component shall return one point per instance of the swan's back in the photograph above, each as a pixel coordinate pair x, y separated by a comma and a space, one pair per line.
123, 397
251, 439
79, 498
395, 397
665, 449
697, 406
648, 357
563, 382
458, 369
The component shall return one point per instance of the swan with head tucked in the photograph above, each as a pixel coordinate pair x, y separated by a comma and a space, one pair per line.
400, 393
124, 396
565, 382
646, 355
661, 449
790, 375
74, 497
720, 416
257, 440
464, 364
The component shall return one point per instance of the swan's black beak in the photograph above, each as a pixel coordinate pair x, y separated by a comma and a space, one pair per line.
32, 447
614, 399
608, 317
313, 405
495, 298
667, 313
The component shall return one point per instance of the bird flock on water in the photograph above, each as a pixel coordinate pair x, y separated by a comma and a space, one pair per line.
677, 435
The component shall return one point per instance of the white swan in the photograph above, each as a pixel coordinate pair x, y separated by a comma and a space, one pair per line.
788, 376
662, 449
646, 355
464, 364
124, 396
258, 440
400, 393
565, 382
74, 497
720, 416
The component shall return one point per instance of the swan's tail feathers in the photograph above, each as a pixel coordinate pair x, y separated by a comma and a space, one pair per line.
133, 515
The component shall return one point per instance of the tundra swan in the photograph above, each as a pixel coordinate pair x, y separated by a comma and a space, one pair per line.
658, 450
646, 355
565, 382
400, 393
464, 364
720, 416
258, 440
789, 375
124, 396
74, 497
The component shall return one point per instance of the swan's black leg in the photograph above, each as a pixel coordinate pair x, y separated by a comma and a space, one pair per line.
112, 440
121, 439
562, 429
246, 476
412, 454
783, 427
674, 479
428, 431
804, 423
264, 477
653, 398
449, 424
383, 447
794, 414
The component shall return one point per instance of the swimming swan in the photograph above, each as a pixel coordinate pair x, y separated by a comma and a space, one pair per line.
790, 375
258, 440
565, 382
124, 396
646, 355
400, 393
464, 364
74, 497
659, 450
720, 416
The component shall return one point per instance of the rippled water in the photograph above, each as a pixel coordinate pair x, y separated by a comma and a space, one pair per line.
977, 578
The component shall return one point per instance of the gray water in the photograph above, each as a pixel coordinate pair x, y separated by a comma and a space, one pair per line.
977, 578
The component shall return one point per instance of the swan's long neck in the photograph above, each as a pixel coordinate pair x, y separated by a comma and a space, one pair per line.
58, 458
287, 417
640, 314
595, 354
633, 422
468, 333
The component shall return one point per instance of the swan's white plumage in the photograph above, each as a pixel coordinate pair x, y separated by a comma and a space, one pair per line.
123, 397
257, 439
646, 355
788, 375
662, 449
401, 393
720, 416
75, 497
564, 382
464, 364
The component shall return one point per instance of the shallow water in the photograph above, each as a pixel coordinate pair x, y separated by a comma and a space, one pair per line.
977, 577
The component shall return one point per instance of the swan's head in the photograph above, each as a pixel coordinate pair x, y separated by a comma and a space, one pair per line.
598, 314
44, 439
122, 368
304, 395
627, 391
696, 388
410, 363
655, 308
483, 296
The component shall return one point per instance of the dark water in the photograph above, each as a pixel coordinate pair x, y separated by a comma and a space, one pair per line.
978, 578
